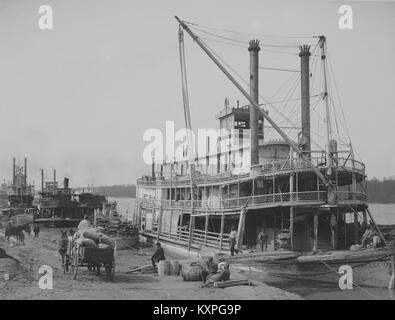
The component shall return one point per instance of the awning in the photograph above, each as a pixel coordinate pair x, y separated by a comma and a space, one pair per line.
169, 219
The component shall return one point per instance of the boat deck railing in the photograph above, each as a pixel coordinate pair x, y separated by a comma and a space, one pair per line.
207, 173
199, 237
290, 198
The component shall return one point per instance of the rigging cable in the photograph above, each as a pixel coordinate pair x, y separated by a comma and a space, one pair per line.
242, 79
244, 42
249, 34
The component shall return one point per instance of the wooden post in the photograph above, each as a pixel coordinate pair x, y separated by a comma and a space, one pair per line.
181, 221
353, 177
159, 225
171, 221
221, 236
356, 228
274, 185
365, 217
238, 193
206, 229
192, 218
191, 227
334, 227
292, 198
345, 230
240, 229
291, 226
315, 246
171, 196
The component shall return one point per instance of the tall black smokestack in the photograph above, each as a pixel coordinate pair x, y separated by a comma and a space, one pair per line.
305, 102
42, 179
54, 175
254, 93
13, 171
25, 170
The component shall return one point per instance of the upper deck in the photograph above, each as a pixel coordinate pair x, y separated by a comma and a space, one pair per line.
205, 175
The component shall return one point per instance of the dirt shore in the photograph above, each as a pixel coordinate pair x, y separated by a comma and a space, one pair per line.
23, 279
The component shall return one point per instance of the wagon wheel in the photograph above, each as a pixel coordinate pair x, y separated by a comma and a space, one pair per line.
65, 264
72, 264
75, 266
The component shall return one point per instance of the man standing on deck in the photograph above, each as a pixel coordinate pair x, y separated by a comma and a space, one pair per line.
263, 239
232, 241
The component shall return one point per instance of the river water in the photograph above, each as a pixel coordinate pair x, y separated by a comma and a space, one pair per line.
382, 213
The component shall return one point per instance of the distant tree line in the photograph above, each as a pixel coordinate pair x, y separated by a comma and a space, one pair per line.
381, 191
118, 191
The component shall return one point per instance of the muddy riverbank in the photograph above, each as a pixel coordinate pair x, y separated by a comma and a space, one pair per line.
21, 281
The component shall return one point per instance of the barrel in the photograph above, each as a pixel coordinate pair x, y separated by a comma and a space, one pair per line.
174, 268
191, 273
164, 267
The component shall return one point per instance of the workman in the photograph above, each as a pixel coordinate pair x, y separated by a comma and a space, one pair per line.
158, 255
84, 224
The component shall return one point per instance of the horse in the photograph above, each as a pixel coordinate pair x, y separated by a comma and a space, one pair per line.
17, 232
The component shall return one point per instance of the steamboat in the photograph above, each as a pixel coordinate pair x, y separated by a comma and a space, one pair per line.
16, 197
309, 201
60, 206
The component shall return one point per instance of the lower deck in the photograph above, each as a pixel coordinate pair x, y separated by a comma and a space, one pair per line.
286, 228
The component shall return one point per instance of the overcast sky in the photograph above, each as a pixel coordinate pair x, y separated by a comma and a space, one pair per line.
79, 98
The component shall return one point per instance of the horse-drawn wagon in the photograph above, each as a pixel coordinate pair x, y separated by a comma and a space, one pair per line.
94, 258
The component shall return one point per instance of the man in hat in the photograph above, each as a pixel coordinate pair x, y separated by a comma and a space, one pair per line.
84, 224
209, 269
158, 255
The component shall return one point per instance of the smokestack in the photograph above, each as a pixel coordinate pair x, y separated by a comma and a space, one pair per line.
254, 93
305, 102
25, 170
153, 169
54, 175
13, 171
42, 179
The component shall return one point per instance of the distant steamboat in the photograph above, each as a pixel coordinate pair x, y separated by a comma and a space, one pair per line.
60, 206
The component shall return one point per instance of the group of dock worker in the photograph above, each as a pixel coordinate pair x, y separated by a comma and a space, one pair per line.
215, 273
370, 237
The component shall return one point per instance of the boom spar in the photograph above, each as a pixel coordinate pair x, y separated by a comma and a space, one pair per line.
253, 103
